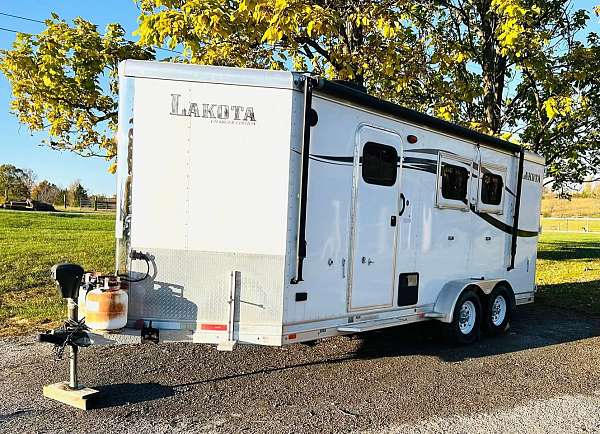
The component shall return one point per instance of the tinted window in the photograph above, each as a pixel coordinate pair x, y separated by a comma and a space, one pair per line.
379, 164
454, 182
491, 189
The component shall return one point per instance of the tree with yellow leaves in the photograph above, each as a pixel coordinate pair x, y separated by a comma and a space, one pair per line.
378, 44
523, 70
519, 69
64, 81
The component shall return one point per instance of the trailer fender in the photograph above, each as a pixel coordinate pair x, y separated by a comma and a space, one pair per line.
443, 309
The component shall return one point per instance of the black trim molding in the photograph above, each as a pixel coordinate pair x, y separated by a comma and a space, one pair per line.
305, 156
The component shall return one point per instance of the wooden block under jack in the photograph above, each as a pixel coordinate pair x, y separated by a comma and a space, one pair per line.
73, 397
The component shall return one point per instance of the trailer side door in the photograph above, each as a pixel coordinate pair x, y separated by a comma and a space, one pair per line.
377, 167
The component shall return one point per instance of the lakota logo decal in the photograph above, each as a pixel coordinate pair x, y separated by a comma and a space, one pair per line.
218, 113
533, 177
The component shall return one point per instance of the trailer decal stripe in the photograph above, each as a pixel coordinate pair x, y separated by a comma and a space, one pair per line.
334, 163
335, 158
423, 164
428, 151
421, 168
428, 166
510, 191
503, 226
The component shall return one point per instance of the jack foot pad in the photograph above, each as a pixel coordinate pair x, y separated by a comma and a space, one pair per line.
73, 397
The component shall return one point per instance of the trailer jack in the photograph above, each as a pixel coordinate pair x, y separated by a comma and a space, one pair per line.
72, 334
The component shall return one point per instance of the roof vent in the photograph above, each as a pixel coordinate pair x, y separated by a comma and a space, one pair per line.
352, 84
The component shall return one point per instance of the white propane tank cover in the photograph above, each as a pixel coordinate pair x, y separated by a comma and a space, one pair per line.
106, 310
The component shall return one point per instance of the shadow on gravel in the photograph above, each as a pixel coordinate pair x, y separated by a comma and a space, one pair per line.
532, 326
328, 361
116, 395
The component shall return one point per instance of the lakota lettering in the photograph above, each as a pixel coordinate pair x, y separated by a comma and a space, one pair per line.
533, 177
211, 111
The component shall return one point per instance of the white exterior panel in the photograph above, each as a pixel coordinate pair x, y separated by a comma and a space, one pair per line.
209, 197
442, 242
211, 184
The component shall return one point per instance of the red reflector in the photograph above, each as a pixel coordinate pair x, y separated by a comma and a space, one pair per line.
421, 314
214, 327
292, 336
411, 139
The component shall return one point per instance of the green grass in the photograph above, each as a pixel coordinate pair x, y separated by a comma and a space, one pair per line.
568, 271
30, 243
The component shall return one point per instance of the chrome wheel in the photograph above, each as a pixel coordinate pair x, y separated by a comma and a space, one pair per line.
499, 309
467, 317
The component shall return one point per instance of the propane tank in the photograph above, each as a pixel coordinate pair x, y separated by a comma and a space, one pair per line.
105, 305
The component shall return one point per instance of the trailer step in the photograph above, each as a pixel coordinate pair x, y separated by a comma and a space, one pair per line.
366, 326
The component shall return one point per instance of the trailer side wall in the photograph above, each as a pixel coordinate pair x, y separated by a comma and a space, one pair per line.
468, 240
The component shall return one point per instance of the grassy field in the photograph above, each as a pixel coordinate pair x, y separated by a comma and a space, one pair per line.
575, 207
568, 271
30, 243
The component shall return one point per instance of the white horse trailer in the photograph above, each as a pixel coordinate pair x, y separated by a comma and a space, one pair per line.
277, 207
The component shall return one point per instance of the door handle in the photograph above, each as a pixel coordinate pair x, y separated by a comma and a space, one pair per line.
403, 204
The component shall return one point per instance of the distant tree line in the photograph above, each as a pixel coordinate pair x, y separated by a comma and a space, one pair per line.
20, 184
15, 182
590, 190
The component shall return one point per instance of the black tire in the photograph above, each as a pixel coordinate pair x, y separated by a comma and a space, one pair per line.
498, 311
461, 330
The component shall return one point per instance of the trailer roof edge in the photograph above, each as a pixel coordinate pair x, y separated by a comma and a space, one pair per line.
206, 74
356, 96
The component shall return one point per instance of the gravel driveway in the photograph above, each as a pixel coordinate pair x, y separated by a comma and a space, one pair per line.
544, 376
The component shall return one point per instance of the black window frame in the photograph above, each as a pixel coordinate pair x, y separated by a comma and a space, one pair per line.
373, 178
485, 195
450, 195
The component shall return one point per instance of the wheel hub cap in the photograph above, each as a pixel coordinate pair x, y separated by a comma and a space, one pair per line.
499, 310
466, 317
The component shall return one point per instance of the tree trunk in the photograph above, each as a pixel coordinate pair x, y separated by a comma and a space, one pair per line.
493, 67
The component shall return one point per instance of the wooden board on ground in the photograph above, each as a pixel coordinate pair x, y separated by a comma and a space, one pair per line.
73, 397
